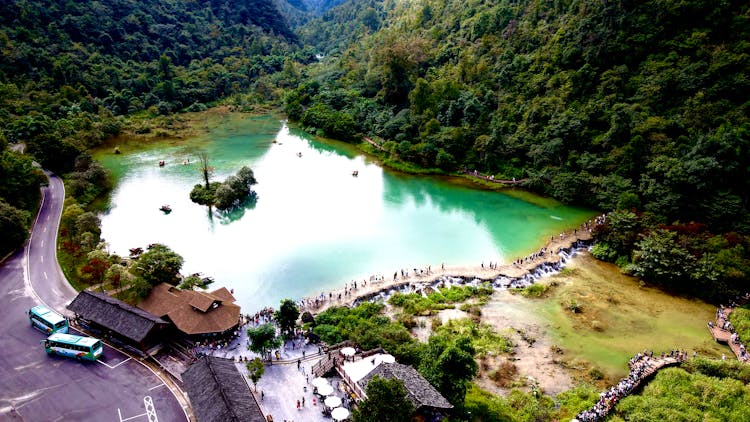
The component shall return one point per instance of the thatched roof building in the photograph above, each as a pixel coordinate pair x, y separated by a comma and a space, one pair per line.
219, 393
194, 313
419, 391
130, 324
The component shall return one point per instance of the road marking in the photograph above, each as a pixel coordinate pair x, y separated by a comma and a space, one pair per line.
108, 366
157, 386
45, 229
42, 242
132, 417
45, 275
42, 258
150, 409
113, 367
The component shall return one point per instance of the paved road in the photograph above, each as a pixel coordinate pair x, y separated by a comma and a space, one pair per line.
37, 387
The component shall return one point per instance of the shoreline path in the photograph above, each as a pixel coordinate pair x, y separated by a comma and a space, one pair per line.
549, 254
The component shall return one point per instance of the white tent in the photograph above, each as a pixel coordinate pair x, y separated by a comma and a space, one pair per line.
332, 401
348, 351
339, 413
325, 390
319, 382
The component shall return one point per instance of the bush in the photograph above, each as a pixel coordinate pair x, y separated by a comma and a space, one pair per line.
535, 290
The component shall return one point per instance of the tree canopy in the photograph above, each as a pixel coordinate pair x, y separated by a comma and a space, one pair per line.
386, 402
287, 316
263, 339
159, 264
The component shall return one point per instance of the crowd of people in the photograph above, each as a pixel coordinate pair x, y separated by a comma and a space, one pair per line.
642, 365
353, 290
723, 323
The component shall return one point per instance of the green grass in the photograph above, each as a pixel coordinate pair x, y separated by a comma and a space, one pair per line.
678, 395
619, 318
444, 298
535, 290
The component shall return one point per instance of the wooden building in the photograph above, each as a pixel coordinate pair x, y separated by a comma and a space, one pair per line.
196, 314
110, 317
219, 392
430, 405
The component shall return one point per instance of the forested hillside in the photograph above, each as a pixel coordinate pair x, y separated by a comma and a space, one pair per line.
70, 69
615, 105
67, 67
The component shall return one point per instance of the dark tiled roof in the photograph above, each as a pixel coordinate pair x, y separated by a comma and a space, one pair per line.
219, 393
202, 301
179, 306
116, 315
418, 390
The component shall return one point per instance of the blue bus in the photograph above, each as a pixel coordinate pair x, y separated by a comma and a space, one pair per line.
47, 320
73, 346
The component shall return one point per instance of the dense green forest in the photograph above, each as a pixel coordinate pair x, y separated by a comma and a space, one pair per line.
639, 109
70, 71
638, 106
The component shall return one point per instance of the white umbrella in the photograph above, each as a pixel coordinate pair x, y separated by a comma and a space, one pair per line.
387, 359
319, 382
339, 413
325, 390
348, 351
332, 401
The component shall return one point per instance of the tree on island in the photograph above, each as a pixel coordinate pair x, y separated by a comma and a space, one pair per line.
205, 168
287, 316
233, 192
255, 370
263, 339
386, 402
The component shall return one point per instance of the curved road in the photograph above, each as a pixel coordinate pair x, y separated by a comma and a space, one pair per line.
37, 387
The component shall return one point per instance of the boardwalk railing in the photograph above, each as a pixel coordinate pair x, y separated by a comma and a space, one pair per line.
642, 368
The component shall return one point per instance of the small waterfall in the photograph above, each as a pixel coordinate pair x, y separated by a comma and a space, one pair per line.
544, 269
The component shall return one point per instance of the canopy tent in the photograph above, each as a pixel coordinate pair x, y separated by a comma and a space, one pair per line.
319, 382
325, 390
339, 413
332, 401
348, 351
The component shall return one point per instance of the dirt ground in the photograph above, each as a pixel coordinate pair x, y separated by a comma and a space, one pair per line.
533, 354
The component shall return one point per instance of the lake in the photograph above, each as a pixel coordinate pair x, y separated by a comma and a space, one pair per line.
315, 226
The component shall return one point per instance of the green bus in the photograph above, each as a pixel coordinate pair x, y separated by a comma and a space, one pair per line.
47, 320
73, 346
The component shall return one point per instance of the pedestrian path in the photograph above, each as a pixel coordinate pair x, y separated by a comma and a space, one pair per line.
643, 366
723, 332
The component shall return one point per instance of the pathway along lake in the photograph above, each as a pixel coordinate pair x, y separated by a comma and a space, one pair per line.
315, 226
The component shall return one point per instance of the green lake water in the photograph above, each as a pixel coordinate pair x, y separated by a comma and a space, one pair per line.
314, 226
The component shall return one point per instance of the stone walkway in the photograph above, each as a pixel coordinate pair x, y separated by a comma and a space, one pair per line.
282, 384
549, 255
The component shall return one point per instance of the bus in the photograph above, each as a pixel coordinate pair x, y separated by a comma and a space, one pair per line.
72, 346
46, 320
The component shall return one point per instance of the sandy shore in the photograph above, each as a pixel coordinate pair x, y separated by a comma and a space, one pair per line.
548, 254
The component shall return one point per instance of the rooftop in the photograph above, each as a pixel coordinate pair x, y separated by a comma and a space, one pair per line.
193, 312
219, 393
116, 315
419, 391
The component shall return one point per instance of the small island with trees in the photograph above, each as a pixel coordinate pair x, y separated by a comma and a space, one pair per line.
233, 192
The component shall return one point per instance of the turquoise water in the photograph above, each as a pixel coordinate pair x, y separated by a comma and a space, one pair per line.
314, 226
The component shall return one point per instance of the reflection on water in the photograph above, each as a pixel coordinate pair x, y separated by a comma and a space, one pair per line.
314, 225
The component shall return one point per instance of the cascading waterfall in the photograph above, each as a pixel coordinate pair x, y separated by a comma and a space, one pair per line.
544, 269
